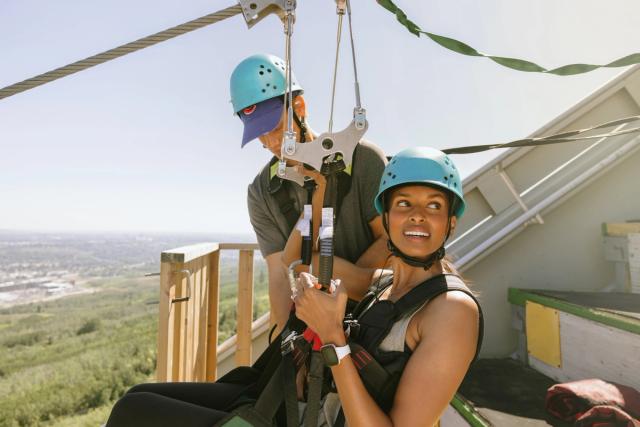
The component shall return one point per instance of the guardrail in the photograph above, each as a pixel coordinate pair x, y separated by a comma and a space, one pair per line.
188, 312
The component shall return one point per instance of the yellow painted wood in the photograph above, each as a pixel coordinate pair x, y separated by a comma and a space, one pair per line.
543, 333
245, 307
620, 229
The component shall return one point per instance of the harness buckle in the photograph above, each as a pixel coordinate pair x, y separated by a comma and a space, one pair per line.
351, 328
288, 344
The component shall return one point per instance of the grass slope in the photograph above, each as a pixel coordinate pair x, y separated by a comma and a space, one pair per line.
64, 362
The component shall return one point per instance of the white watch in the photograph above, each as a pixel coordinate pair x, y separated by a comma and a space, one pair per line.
332, 355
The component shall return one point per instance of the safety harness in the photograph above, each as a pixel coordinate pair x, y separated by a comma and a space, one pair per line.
280, 190
271, 398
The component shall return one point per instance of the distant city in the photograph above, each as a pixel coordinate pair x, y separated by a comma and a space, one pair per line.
45, 265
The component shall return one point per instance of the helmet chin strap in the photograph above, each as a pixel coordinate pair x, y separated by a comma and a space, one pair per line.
416, 262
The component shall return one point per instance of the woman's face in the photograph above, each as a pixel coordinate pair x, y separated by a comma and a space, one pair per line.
418, 219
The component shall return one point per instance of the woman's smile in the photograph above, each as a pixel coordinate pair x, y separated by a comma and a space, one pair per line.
419, 219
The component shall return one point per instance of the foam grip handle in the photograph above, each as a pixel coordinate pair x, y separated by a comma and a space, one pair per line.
326, 262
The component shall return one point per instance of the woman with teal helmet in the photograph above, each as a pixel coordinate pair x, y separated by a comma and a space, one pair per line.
409, 343
420, 323
422, 166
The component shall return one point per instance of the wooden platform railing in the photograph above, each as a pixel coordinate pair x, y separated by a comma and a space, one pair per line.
188, 312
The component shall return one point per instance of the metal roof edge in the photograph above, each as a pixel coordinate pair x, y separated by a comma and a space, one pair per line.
585, 103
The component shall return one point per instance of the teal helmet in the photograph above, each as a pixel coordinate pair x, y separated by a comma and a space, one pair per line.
422, 165
258, 78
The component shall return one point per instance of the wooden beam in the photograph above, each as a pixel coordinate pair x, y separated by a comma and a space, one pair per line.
185, 254
239, 246
245, 307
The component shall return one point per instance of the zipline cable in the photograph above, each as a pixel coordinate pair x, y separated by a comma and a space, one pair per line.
569, 136
513, 63
335, 68
353, 56
117, 52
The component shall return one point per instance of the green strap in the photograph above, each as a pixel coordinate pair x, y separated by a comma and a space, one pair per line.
513, 63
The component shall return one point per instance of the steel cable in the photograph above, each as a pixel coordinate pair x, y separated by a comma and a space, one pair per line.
117, 52
569, 136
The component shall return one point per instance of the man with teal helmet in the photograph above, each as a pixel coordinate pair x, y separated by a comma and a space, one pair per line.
421, 166
256, 85
258, 98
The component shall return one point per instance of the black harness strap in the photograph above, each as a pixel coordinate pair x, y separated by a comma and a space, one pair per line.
279, 189
372, 325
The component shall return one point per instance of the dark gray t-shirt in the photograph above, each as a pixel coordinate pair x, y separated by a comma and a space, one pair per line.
352, 233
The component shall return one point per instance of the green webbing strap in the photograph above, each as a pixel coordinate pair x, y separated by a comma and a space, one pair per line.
269, 401
569, 136
513, 63
289, 390
314, 394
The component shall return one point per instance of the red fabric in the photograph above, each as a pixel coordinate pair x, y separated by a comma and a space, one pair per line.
606, 416
312, 338
570, 401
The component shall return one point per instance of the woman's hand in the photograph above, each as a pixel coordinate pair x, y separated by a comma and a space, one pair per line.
322, 312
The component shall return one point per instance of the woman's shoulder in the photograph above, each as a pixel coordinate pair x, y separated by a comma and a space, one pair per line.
452, 306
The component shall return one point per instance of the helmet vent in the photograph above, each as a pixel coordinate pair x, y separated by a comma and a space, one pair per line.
261, 66
446, 178
264, 90
268, 70
261, 73
393, 177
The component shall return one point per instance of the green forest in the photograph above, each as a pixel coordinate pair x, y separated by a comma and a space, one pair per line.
65, 362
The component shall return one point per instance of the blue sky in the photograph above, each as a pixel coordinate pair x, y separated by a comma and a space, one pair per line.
148, 142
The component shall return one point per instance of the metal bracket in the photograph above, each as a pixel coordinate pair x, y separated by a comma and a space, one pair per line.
290, 173
512, 189
183, 299
360, 117
255, 10
329, 144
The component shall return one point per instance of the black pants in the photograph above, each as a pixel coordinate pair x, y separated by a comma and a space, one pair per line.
174, 404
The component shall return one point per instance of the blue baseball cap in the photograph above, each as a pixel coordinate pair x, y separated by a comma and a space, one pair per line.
260, 118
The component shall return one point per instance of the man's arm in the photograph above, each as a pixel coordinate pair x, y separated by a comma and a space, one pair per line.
271, 244
279, 291
377, 254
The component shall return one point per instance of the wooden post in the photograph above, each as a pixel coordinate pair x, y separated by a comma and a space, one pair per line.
180, 312
201, 319
189, 278
165, 325
245, 308
213, 299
